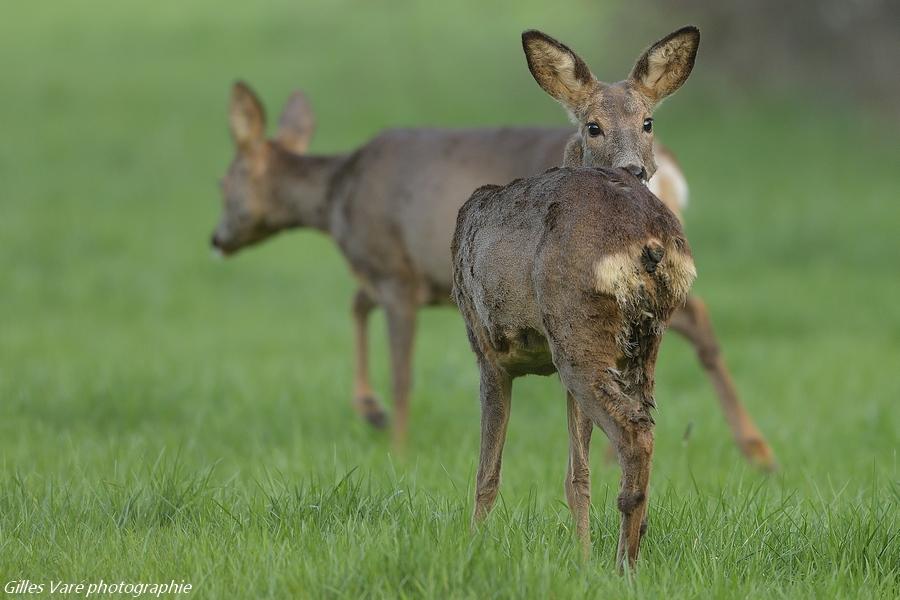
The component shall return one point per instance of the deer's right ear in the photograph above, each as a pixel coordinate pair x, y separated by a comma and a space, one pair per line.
297, 124
246, 116
557, 69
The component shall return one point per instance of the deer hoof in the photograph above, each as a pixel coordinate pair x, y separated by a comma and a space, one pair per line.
759, 454
371, 410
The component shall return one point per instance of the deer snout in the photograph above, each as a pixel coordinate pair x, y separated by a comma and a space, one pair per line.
219, 246
637, 170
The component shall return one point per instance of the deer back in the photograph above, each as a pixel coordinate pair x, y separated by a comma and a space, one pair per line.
572, 239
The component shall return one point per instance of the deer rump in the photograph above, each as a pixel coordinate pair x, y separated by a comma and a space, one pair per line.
575, 268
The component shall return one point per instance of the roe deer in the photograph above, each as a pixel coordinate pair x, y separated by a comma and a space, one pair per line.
576, 271
391, 205
615, 128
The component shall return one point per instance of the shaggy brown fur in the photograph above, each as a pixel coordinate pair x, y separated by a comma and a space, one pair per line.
525, 263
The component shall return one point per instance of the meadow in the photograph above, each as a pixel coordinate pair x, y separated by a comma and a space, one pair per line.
166, 416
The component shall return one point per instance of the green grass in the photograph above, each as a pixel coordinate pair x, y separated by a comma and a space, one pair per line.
163, 416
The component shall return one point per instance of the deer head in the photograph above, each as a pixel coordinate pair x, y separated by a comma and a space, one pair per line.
255, 201
615, 121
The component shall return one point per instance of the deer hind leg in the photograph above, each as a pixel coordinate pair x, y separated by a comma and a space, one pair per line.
496, 386
693, 323
629, 426
365, 402
635, 450
401, 321
578, 475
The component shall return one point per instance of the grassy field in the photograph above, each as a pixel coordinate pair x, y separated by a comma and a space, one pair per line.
164, 416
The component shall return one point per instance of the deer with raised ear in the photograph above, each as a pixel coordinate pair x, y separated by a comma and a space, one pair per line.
615, 128
578, 271
390, 206
372, 202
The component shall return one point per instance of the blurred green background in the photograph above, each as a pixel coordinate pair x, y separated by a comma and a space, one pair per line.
164, 416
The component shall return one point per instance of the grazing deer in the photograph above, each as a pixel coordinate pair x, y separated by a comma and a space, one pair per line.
576, 271
390, 206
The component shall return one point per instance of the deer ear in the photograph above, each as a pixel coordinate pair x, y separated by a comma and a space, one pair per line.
665, 65
557, 69
246, 116
297, 124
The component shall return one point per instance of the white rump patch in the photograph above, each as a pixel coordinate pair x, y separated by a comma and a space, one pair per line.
680, 273
617, 274
623, 276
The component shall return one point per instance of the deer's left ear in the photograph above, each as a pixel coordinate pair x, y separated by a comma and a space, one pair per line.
297, 124
665, 65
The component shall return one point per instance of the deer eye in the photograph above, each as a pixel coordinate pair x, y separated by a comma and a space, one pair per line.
593, 129
648, 124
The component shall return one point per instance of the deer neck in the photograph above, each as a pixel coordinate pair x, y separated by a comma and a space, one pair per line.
302, 190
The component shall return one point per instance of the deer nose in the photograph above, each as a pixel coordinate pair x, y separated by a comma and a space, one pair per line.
218, 247
636, 170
